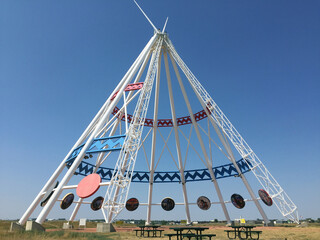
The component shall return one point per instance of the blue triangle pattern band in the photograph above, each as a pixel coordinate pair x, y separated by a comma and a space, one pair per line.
223, 171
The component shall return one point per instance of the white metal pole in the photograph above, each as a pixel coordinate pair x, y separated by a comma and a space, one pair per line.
194, 123
127, 157
84, 135
37, 200
176, 134
75, 210
56, 174
117, 188
282, 201
98, 163
141, 70
233, 160
210, 149
154, 137
42, 216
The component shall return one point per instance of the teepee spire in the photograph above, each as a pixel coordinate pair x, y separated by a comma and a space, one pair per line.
105, 155
155, 29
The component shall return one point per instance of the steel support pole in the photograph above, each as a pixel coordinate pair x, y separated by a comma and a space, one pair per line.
176, 134
280, 198
233, 160
115, 199
231, 155
154, 137
75, 210
79, 203
38, 198
44, 213
108, 218
57, 172
84, 135
194, 123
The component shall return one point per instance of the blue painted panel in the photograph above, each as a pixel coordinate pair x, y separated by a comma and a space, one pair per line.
223, 171
113, 143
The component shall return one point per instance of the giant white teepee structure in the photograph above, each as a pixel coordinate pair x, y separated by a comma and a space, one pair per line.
116, 134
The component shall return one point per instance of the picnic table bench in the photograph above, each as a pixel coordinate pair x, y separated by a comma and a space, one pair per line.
189, 233
210, 236
243, 232
186, 235
148, 231
190, 236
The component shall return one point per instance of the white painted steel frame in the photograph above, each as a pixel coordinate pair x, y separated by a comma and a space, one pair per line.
93, 125
194, 123
284, 204
153, 145
120, 182
242, 176
45, 211
226, 145
98, 164
177, 140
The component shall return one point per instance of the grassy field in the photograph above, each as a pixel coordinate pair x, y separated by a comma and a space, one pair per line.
288, 232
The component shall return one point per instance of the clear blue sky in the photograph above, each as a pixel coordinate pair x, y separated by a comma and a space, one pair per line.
60, 60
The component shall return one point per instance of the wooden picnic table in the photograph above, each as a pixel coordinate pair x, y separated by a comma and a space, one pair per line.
189, 232
145, 230
243, 232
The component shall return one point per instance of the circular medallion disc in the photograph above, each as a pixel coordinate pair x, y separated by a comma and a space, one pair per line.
89, 185
132, 204
167, 204
265, 197
97, 203
238, 201
203, 203
67, 201
48, 194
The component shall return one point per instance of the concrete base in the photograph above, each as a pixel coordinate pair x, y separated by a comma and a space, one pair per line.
16, 227
232, 223
34, 226
269, 224
303, 224
105, 227
67, 225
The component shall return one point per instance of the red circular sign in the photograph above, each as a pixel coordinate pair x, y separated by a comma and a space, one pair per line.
89, 185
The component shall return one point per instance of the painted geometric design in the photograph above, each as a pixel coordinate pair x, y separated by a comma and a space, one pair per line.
166, 177
130, 87
100, 145
223, 171
166, 122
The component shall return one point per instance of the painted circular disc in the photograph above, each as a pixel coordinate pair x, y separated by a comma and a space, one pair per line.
203, 203
97, 203
265, 197
67, 201
132, 204
167, 204
238, 201
48, 194
88, 185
